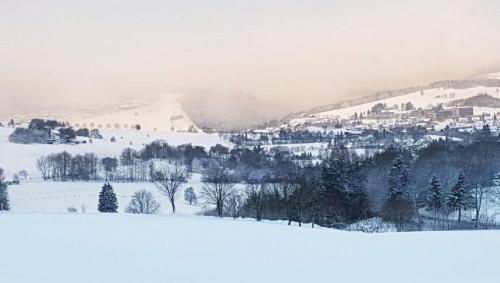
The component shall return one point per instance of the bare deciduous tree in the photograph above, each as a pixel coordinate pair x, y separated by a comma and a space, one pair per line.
287, 191
217, 189
43, 165
169, 180
143, 202
234, 203
255, 195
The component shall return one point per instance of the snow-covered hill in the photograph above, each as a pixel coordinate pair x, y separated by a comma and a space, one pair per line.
495, 76
159, 248
15, 157
444, 93
164, 114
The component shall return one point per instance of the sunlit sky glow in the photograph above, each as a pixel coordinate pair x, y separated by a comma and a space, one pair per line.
304, 53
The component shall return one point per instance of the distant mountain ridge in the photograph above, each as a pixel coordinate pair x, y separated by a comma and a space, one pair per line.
486, 81
456, 84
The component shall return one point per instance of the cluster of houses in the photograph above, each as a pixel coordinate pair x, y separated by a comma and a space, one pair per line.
51, 132
421, 116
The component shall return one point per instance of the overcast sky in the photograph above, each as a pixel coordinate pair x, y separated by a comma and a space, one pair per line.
305, 53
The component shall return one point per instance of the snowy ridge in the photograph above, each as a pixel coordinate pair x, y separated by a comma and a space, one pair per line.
163, 115
424, 98
495, 76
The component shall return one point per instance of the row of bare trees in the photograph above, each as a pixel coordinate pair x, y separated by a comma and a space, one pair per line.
218, 190
64, 166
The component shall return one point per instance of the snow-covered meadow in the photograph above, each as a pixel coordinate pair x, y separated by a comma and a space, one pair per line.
15, 157
57, 197
36, 195
45, 243
159, 248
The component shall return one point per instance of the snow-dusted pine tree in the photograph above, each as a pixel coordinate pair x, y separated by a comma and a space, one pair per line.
398, 207
107, 199
435, 200
4, 196
459, 198
333, 194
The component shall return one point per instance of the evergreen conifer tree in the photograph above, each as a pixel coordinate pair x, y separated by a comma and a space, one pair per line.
459, 198
4, 196
358, 204
107, 199
398, 207
333, 192
435, 200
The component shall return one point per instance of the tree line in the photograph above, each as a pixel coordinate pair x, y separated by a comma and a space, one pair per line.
410, 189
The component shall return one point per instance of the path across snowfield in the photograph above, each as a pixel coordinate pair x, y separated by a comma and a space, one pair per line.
133, 248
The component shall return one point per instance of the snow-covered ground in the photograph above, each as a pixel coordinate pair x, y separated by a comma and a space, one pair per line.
495, 76
133, 248
15, 157
57, 197
163, 114
425, 99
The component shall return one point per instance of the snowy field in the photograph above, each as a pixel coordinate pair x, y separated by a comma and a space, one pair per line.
57, 197
15, 157
134, 248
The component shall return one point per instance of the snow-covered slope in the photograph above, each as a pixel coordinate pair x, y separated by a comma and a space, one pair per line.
164, 114
15, 157
425, 98
495, 76
132, 248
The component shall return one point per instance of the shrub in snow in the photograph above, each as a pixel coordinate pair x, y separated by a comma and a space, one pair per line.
24, 174
71, 210
372, 225
143, 202
107, 200
190, 196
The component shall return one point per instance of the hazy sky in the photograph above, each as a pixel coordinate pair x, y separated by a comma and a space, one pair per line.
303, 52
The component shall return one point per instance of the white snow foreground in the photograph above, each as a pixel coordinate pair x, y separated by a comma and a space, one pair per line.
134, 248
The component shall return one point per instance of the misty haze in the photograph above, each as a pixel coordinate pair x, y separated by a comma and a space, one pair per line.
249, 141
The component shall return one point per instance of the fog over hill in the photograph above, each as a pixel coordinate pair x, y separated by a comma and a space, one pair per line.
231, 112
223, 112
